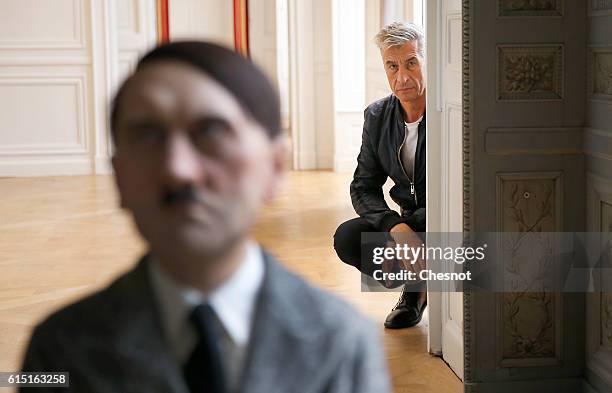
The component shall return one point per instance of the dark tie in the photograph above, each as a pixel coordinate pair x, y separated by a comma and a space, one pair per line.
204, 370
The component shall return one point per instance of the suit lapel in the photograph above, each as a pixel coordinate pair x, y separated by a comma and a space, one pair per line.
140, 341
280, 350
283, 348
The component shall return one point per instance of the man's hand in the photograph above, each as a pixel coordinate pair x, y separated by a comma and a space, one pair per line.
403, 234
401, 227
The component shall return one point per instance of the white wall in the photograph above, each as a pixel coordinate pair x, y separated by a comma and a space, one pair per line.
60, 63
49, 117
349, 49
311, 84
202, 19
359, 77
136, 32
58, 69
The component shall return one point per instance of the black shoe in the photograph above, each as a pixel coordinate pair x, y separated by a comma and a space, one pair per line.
407, 312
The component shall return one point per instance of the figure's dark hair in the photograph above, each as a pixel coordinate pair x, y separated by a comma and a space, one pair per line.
238, 75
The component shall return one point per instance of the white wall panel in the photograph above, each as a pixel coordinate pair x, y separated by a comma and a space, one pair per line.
127, 63
46, 87
135, 33
58, 72
135, 25
263, 36
43, 115
127, 16
202, 19
29, 24
349, 55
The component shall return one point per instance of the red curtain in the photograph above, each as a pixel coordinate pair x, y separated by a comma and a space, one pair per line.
163, 30
241, 27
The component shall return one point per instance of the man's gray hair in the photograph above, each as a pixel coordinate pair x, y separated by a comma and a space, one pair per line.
400, 33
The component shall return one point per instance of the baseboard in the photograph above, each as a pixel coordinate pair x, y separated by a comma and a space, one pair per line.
46, 167
306, 161
344, 165
103, 166
565, 385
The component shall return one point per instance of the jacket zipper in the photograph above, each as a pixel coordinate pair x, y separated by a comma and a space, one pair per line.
412, 190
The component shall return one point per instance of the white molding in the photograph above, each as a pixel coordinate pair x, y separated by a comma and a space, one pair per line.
344, 165
557, 358
93, 71
263, 37
295, 59
557, 385
595, 148
452, 328
592, 12
78, 42
448, 195
434, 312
37, 60
312, 122
538, 141
135, 21
452, 338
440, 38
348, 20
434, 166
103, 166
453, 16
307, 160
81, 145
557, 176
46, 167
446, 307
33, 149
105, 59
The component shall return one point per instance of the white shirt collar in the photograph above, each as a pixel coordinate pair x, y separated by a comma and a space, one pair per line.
415, 123
233, 301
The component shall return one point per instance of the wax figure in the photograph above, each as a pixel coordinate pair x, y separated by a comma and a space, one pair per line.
198, 153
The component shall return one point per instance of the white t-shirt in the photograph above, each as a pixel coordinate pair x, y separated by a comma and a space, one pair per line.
408, 150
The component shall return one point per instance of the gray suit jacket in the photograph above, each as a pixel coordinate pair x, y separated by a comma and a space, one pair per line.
303, 340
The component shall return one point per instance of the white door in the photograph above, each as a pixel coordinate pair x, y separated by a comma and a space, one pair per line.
444, 166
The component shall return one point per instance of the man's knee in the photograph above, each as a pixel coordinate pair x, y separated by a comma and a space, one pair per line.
347, 242
340, 235
342, 241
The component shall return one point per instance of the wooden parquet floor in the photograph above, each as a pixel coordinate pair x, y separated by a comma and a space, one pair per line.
63, 237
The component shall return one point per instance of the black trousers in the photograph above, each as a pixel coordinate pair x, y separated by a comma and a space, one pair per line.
347, 242
348, 246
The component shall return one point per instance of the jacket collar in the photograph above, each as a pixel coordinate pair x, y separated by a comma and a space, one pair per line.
395, 118
282, 350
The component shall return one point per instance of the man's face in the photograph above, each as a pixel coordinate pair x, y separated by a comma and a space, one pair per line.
404, 69
191, 165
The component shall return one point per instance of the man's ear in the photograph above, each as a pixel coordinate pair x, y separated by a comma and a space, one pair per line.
280, 162
116, 162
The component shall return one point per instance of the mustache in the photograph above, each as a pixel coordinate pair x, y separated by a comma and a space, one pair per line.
186, 194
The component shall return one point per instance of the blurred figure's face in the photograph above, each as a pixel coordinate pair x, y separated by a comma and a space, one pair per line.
191, 165
404, 69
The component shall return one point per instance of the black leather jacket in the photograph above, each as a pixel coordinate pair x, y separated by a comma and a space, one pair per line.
379, 158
